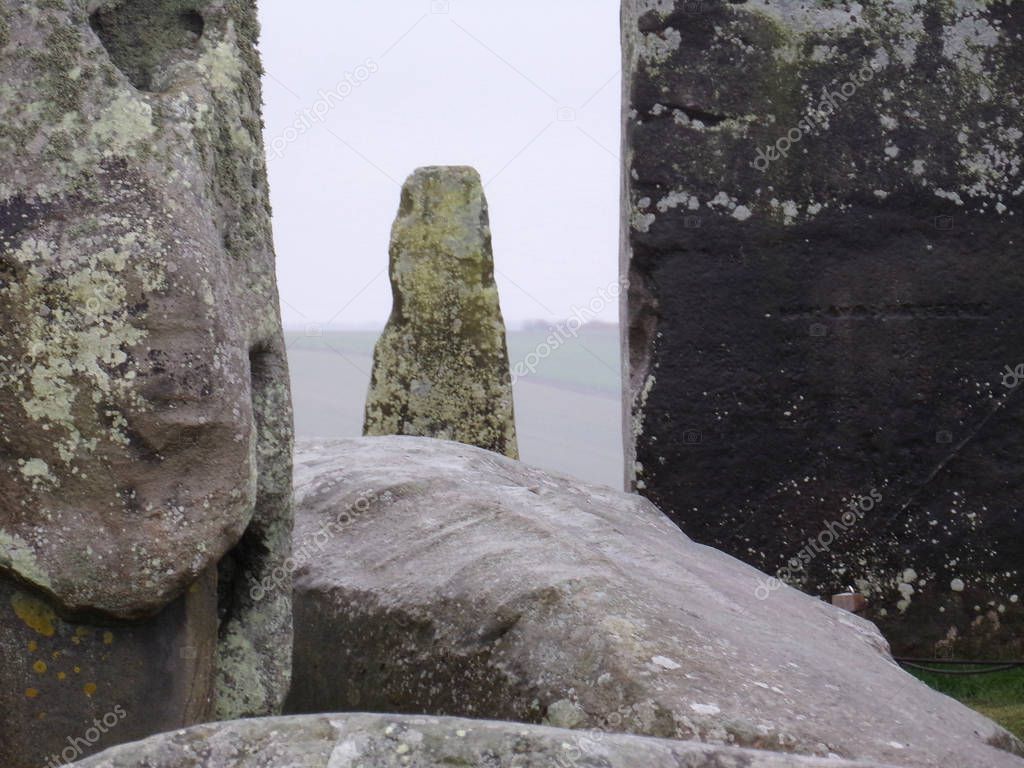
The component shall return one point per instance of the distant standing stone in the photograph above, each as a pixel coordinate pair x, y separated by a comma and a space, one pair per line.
441, 367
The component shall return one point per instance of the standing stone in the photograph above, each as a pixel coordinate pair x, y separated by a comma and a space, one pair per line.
823, 241
144, 406
440, 368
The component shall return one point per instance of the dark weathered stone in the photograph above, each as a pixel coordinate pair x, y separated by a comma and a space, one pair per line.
433, 577
440, 368
834, 325
144, 404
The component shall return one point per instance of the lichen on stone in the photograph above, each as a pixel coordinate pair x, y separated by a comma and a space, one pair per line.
441, 366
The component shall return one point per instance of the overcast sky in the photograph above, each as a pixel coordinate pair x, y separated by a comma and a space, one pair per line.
526, 92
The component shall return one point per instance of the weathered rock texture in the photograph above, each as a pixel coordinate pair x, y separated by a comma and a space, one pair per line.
441, 366
437, 578
822, 237
144, 406
383, 741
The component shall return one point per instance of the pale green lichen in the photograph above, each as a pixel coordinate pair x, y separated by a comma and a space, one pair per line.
222, 65
75, 331
124, 126
18, 556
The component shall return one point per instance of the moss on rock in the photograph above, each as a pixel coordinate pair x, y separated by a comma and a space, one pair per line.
441, 366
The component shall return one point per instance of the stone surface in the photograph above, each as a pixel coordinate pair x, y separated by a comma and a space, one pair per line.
441, 366
144, 406
381, 741
823, 238
438, 578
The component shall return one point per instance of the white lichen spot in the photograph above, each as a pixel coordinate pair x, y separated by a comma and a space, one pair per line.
656, 48
706, 709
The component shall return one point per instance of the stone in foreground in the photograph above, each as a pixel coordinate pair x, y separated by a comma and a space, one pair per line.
144, 404
441, 366
391, 741
823, 223
433, 577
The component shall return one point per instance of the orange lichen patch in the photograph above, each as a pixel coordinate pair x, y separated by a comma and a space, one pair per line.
89, 688
40, 667
41, 716
108, 638
36, 615
31, 693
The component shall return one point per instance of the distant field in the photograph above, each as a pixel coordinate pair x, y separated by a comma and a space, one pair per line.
568, 413
999, 695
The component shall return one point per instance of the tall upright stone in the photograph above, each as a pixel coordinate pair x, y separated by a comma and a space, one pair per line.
145, 418
825, 319
441, 367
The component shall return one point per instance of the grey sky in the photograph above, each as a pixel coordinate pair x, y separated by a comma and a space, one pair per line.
526, 92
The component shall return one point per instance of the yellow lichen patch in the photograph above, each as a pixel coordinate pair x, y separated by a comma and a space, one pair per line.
35, 614
89, 688
33, 646
55, 655
31, 693
40, 667
78, 670
62, 675
108, 638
